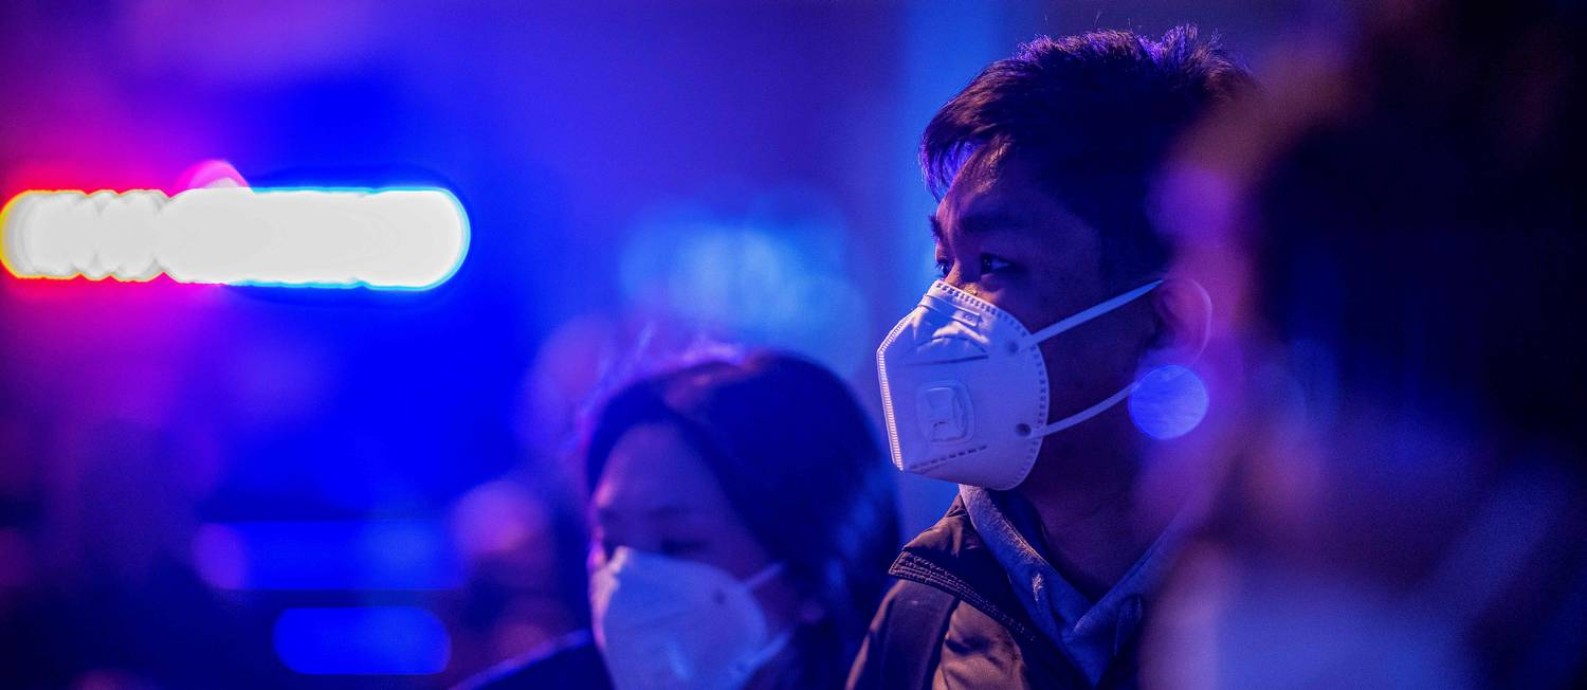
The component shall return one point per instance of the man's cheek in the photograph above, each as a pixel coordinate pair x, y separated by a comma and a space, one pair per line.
1015, 304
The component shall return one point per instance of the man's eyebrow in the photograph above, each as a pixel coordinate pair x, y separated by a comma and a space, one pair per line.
980, 223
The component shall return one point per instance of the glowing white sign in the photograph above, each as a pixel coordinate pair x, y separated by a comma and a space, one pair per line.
383, 238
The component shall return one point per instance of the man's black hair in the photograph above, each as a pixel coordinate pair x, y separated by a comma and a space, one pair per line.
1096, 113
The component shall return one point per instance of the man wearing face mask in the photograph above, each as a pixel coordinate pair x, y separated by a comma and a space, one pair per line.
1037, 372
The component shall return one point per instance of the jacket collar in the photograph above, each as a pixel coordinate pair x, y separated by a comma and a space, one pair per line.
952, 557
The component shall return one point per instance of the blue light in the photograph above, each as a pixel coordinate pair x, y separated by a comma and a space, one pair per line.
775, 276
403, 555
375, 640
1169, 402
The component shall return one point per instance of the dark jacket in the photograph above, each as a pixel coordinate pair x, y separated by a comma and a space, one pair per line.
953, 621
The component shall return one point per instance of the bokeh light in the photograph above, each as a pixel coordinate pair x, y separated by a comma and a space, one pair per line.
371, 640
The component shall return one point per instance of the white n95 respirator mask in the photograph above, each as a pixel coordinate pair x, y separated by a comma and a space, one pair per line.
665, 623
965, 392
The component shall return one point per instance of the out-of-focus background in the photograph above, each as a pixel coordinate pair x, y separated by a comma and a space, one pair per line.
206, 486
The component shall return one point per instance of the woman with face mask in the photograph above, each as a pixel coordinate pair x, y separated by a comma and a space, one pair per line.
742, 519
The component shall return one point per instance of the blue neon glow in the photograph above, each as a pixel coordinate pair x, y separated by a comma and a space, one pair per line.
373, 640
1169, 402
404, 555
775, 275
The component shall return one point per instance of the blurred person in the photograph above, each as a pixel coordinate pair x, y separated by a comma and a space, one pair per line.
119, 601
1011, 377
522, 545
742, 519
1403, 226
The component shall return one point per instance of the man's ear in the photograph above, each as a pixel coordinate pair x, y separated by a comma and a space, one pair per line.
1169, 400
1184, 314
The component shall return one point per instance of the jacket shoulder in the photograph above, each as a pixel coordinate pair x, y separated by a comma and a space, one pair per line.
952, 557
953, 620
904, 643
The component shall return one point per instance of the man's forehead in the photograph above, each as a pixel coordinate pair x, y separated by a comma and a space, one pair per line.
1004, 192
981, 170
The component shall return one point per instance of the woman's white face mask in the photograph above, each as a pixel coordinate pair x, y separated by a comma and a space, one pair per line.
663, 622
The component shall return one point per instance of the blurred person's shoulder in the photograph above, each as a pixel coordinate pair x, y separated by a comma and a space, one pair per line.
571, 661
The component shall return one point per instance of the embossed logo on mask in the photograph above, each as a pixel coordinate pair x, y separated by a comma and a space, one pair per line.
945, 412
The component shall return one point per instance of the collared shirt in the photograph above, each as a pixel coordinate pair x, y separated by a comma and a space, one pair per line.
1091, 633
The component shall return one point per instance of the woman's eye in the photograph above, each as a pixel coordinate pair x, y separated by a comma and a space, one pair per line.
992, 264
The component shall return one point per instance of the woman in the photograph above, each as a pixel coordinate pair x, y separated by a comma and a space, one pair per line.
742, 520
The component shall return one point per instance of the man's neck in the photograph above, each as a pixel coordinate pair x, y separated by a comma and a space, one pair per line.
1089, 521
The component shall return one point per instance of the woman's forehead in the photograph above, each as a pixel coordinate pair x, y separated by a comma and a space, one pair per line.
654, 469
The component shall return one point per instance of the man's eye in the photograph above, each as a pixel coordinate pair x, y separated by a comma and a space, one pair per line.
992, 264
942, 268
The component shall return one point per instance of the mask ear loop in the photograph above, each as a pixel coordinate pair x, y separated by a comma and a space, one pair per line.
1071, 322
767, 653
1083, 415
1087, 315
778, 643
765, 575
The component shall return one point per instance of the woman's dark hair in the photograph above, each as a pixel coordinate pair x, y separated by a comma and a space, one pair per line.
800, 464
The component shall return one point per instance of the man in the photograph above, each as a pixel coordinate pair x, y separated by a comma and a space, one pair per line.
1011, 377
